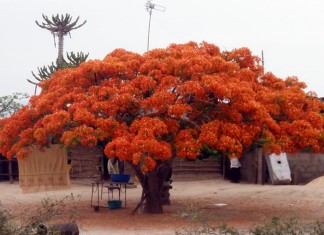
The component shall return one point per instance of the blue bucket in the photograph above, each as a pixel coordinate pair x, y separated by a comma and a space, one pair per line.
114, 204
120, 178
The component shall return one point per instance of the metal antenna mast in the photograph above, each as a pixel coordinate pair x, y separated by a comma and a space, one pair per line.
149, 7
262, 60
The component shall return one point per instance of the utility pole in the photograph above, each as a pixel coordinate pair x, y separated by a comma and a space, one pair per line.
149, 7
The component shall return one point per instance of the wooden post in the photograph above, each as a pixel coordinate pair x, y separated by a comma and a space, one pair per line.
264, 169
10, 172
261, 167
224, 166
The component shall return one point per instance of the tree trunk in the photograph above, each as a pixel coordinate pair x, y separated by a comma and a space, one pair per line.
156, 188
152, 190
60, 48
165, 172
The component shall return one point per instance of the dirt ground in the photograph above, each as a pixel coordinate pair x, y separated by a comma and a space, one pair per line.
240, 205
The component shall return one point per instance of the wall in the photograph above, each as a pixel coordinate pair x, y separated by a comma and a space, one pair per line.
90, 162
249, 167
209, 168
86, 162
304, 167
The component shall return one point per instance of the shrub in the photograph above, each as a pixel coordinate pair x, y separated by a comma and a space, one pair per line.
29, 220
276, 226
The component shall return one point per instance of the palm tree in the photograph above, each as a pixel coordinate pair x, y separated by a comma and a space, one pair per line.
60, 26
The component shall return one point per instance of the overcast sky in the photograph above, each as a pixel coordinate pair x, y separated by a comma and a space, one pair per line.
290, 32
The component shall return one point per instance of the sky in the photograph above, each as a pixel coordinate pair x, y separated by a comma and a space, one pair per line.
290, 33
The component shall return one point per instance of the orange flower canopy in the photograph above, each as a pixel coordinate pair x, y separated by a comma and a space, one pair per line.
168, 102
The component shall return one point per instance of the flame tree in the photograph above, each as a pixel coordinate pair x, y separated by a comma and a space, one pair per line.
173, 102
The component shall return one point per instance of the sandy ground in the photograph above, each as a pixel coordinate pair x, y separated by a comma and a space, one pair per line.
240, 205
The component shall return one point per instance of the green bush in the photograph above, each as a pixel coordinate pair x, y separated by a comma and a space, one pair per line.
206, 228
29, 220
279, 227
7, 226
276, 226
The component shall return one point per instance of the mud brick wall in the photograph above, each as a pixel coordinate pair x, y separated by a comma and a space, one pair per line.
304, 167
86, 162
206, 166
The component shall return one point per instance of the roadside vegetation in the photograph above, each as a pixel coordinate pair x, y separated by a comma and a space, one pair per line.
200, 224
31, 222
